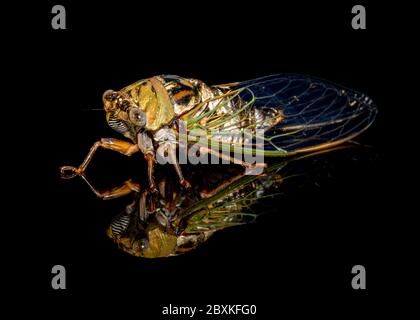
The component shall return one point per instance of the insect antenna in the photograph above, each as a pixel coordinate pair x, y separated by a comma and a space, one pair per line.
93, 109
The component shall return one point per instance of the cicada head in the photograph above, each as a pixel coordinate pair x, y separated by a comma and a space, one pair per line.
123, 114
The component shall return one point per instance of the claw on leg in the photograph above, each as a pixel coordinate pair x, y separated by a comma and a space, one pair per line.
68, 172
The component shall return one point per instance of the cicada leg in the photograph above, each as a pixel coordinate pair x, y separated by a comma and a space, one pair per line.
225, 184
126, 188
150, 158
231, 159
184, 182
170, 149
120, 146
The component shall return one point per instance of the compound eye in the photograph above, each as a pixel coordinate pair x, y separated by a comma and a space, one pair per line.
109, 95
137, 117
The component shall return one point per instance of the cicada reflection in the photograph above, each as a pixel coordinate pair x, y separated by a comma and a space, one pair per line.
175, 220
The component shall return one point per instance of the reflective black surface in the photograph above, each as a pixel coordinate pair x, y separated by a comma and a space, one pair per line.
174, 220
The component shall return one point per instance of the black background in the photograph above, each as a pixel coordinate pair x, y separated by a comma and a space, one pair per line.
297, 258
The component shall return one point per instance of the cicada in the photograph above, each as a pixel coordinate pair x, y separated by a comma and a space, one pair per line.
273, 116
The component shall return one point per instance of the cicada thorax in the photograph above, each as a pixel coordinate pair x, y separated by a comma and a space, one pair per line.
152, 98
184, 93
163, 98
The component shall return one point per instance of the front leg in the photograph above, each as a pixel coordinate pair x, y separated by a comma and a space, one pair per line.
127, 187
120, 146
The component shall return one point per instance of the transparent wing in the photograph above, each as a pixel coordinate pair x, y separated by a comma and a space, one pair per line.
316, 113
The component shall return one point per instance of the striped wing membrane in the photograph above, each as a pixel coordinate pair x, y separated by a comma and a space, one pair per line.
316, 113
